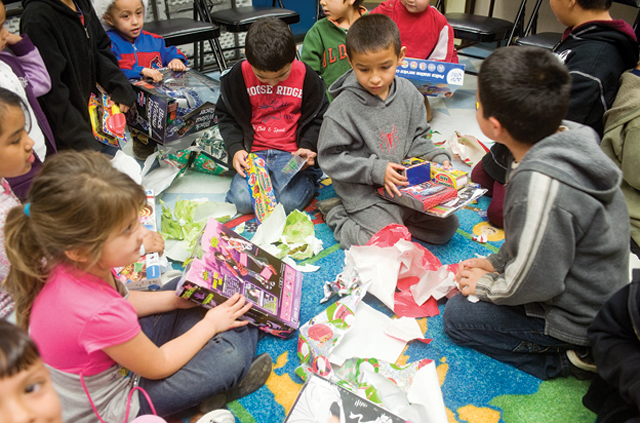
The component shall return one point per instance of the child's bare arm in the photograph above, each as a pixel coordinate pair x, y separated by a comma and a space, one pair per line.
143, 357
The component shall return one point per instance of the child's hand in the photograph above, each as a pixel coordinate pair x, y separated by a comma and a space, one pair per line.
446, 165
176, 65
307, 154
240, 162
448, 95
123, 107
153, 74
13, 39
474, 263
392, 177
225, 316
153, 243
468, 278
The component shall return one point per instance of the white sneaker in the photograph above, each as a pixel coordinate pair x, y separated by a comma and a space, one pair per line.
218, 416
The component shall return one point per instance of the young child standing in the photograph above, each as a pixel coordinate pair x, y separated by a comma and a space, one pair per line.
376, 121
324, 47
272, 104
566, 248
597, 50
63, 245
139, 53
26, 389
24, 73
16, 158
424, 31
77, 54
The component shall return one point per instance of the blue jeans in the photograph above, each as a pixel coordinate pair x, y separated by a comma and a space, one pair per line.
507, 334
296, 195
218, 366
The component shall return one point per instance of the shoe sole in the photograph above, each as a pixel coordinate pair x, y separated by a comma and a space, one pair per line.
258, 373
582, 365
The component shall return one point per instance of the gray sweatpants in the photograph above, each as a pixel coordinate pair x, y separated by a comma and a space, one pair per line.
357, 228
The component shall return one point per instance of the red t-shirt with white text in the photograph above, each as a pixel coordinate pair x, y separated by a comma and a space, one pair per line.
275, 110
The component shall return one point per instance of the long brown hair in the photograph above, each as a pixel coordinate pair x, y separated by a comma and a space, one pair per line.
75, 203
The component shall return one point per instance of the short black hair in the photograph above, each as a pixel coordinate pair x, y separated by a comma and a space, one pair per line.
269, 45
371, 33
356, 4
595, 4
526, 89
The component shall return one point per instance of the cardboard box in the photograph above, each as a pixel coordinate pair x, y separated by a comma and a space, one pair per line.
225, 263
430, 77
453, 178
182, 103
322, 401
144, 274
421, 197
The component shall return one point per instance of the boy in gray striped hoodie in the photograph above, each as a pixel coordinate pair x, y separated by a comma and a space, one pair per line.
566, 247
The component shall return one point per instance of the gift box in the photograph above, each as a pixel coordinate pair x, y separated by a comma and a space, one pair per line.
181, 104
144, 274
322, 401
453, 178
430, 77
421, 197
224, 263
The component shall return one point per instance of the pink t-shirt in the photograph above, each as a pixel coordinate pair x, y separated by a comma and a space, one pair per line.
275, 110
75, 316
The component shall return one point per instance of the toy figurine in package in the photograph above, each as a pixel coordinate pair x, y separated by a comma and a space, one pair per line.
107, 122
181, 104
262, 197
144, 273
224, 263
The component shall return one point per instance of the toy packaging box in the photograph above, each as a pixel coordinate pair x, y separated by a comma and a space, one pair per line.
145, 273
430, 77
181, 104
224, 263
322, 401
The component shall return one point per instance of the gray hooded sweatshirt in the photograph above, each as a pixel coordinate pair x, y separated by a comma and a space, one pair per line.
361, 134
566, 248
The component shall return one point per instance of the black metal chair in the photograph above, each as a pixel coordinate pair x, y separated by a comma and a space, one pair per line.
178, 31
238, 19
549, 40
473, 29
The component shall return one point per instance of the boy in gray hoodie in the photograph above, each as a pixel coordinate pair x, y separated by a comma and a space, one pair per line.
375, 121
566, 226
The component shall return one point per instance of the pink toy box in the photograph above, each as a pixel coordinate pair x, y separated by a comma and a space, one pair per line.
225, 263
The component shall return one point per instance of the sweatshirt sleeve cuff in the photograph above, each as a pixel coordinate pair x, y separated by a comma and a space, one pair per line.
23, 46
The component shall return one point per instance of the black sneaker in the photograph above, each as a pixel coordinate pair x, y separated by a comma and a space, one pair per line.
258, 373
143, 146
325, 206
582, 364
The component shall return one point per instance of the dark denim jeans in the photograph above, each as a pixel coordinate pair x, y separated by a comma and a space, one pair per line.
507, 334
218, 366
295, 195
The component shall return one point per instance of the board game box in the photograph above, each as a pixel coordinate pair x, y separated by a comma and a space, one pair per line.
145, 273
224, 263
430, 77
182, 103
322, 401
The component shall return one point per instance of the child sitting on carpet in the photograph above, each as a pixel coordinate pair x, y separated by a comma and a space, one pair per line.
596, 49
98, 339
26, 389
324, 45
567, 227
139, 53
16, 159
272, 104
375, 121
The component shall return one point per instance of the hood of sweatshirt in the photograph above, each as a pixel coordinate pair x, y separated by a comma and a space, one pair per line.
574, 157
349, 82
617, 33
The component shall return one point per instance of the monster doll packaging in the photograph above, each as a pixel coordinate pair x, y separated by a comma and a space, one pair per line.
224, 263
181, 104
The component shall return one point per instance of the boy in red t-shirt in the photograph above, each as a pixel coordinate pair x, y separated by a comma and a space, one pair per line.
272, 104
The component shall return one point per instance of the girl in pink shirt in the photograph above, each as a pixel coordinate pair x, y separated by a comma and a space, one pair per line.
99, 340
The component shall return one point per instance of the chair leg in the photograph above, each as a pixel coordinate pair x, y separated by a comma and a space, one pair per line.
218, 54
